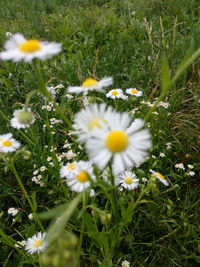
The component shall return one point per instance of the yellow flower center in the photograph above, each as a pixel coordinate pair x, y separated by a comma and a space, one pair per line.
134, 91
82, 177
89, 82
30, 46
116, 141
114, 92
71, 166
95, 123
37, 243
7, 143
160, 175
128, 180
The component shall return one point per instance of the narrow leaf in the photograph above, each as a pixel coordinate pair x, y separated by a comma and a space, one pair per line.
165, 74
57, 227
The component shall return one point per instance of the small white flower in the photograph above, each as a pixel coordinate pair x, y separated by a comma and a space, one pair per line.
169, 145
30, 216
51, 164
49, 158
22, 243
43, 168
190, 166
160, 177
162, 155
191, 173
70, 154
116, 93
8, 144
125, 263
13, 211
134, 91
180, 166
23, 118
91, 84
8, 34
80, 178
144, 179
36, 243
35, 172
92, 193
128, 180
20, 49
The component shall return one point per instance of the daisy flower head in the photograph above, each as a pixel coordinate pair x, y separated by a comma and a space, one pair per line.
8, 144
128, 180
18, 48
91, 84
13, 211
160, 177
36, 243
190, 166
91, 118
134, 91
180, 166
125, 263
116, 93
125, 142
80, 180
22, 118
68, 170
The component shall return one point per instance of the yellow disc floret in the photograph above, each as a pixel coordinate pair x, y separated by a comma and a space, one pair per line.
134, 91
30, 46
82, 177
95, 123
160, 175
116, 141
128, 180
89, 82
7, 143
37, 243
114, 92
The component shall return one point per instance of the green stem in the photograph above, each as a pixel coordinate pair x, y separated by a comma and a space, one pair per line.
82, 230
178, 73
26, 195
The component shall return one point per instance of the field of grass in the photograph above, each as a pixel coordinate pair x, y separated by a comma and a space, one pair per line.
131, 41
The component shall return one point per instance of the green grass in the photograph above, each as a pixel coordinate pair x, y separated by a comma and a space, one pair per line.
125, 40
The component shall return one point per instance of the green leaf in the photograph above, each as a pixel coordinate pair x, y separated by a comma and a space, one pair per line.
57, 227
165, 74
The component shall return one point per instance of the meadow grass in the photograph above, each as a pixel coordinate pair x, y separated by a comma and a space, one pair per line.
126, 40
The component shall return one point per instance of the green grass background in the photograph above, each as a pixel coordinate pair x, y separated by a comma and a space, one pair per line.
126, 40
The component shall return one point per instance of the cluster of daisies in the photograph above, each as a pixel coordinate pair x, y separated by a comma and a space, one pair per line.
109, 137
182, 167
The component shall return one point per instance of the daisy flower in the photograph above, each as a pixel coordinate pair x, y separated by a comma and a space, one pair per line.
191, 173
80, 178
190, 166
18, 48
36, 243
52, 91
121, 140
90, 118
21, 243
13, 211
91, 84
128, 180
125, 263
68, 170
180, 166
116, 93
160, 177
8, 144
23, 118
134, 91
